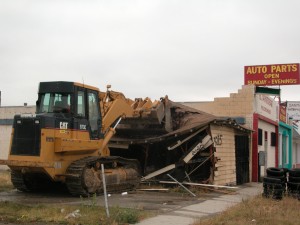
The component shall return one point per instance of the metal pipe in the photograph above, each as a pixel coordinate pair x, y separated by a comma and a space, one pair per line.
104, 190
181, 185
117, 123
108, 136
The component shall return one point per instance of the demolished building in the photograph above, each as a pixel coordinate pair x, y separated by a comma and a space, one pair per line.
186, 143
171, 138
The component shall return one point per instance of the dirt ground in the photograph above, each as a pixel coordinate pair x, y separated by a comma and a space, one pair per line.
146, 200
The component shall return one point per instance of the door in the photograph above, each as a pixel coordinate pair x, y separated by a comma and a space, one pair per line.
94, 115
242, 159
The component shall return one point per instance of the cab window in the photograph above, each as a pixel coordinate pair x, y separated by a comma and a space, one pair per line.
81, 104
55, 102
94, 114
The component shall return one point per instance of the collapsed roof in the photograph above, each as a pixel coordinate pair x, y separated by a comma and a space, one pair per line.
166, 119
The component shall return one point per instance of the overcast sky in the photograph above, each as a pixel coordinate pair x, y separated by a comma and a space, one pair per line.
188, 50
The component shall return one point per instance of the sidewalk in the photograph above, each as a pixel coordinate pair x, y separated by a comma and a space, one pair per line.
189, 214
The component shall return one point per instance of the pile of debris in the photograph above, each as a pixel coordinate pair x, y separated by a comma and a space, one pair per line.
169, 137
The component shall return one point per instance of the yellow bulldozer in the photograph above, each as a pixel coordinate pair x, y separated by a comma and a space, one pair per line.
66, 140
72, 134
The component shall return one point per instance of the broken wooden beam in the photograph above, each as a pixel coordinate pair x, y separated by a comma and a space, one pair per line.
197, 184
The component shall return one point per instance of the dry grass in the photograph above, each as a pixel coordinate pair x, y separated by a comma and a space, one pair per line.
60, 214
5, 183
56, 214
260, 211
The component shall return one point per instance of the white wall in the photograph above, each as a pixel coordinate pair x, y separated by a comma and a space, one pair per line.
296, 153
266, 145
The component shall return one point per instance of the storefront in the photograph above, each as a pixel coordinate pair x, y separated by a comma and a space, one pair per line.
265, 126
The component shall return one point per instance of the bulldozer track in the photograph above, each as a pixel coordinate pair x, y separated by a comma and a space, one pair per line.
75, 175
18, 181
30, 182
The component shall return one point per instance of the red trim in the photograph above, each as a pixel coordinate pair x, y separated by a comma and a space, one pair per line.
266, 119
276, 147
256, 118
255, 148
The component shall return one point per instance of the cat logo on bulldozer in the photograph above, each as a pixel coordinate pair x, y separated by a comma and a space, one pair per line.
63, 125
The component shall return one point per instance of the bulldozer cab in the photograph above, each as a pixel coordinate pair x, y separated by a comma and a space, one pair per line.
73, 105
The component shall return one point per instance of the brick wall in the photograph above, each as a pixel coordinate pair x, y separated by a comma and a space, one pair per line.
240, 104
225, 173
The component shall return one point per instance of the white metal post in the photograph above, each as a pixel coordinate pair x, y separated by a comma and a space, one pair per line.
104, 189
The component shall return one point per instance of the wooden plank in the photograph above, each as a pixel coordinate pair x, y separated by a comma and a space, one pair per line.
225, 179
226, 150
225, 163
225, 173
225, 154
153, 189
158, 172
226, 167
197, 184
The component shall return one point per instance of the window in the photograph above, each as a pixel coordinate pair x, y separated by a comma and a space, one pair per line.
273, 139
94, 113
62, 103
259, 136
54, 102
80, 104
45, 103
